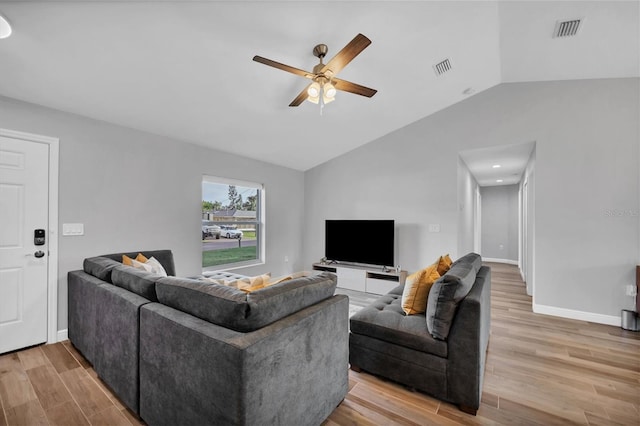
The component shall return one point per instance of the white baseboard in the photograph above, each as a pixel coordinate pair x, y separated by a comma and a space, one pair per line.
577, 315
507, 261
62, 335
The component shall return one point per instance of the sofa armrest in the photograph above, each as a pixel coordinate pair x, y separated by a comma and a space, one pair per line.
116, 338
294, 371
468, 340
81, 305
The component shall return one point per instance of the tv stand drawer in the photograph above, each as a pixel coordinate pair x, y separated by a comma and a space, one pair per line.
361, 278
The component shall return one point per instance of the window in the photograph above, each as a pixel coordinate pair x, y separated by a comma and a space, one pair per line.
232, 223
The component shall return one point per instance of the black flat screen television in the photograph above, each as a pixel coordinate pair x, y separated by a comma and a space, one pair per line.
369, 242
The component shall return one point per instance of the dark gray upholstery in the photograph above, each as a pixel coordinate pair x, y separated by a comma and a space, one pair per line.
419, 370
292, 372
81, 300
237, 310
468, 342
172, 367
140, 282
444, 296
100, 267
116, 341
472, 258
386, 320
450, 370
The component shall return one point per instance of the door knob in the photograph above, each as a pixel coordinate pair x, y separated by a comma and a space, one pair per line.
39, 254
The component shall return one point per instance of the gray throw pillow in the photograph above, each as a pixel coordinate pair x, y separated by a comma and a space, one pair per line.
444, 296
472, 258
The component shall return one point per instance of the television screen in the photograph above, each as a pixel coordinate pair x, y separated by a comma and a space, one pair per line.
369, 242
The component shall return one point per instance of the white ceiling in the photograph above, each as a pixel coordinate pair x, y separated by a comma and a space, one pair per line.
183, 68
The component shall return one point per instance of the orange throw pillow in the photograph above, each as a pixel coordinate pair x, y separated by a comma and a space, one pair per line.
443, 264
416, 290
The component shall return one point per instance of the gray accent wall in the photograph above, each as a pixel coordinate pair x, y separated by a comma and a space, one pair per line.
586, 134
138, 191
500, 222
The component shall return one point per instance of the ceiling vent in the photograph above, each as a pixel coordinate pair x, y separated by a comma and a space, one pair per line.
567, 28
442, 67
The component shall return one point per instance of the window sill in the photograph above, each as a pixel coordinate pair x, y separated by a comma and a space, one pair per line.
234, 266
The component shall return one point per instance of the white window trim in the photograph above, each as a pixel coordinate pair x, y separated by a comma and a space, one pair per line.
261, 221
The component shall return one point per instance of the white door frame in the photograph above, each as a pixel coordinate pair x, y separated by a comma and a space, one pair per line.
477, 222
524, 270
52, 273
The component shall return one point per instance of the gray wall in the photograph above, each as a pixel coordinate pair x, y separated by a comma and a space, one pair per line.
586, 135
134, 190
500, 222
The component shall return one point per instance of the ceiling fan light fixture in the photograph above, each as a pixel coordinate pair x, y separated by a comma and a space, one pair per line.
329, 91
5, 27
314, 90
326, 99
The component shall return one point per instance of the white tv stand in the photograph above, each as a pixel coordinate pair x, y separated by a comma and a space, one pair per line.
360, 278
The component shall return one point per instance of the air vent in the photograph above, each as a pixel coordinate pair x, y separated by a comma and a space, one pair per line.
442, 67
567, 28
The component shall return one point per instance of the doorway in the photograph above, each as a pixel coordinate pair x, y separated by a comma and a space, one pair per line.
28, 239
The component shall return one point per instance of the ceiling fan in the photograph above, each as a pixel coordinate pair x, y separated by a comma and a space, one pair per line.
324, 84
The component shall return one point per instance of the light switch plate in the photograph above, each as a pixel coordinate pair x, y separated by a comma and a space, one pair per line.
72, 229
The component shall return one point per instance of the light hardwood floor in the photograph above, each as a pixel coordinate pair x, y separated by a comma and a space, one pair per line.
540, 370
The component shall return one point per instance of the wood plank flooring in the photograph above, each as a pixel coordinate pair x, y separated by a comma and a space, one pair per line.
540, 370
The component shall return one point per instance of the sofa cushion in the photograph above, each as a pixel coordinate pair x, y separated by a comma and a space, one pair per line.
385, 320
277, 301
444, 296
100, 267
472, 258
138, 281
240, 311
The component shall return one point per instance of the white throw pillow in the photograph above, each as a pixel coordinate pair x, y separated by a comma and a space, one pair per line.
151, 265
156, 267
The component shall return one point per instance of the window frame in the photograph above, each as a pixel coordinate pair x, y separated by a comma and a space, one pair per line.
259, 222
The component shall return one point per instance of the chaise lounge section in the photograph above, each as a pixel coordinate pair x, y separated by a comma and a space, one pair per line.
386, 342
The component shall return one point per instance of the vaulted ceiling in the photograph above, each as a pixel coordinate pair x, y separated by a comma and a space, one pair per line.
183, 69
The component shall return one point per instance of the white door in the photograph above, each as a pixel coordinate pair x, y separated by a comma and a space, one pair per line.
24, 207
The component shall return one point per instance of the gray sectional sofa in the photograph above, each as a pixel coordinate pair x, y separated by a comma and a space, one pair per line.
386, 342
183, 351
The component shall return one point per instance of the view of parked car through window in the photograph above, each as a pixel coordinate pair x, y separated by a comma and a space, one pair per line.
231, 222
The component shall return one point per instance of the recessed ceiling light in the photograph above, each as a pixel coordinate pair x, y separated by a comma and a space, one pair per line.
496, 166
5, 27
499, 180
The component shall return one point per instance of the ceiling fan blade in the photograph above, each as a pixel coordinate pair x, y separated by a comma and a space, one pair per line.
283, 67
346, 55
302, 96
347, 86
